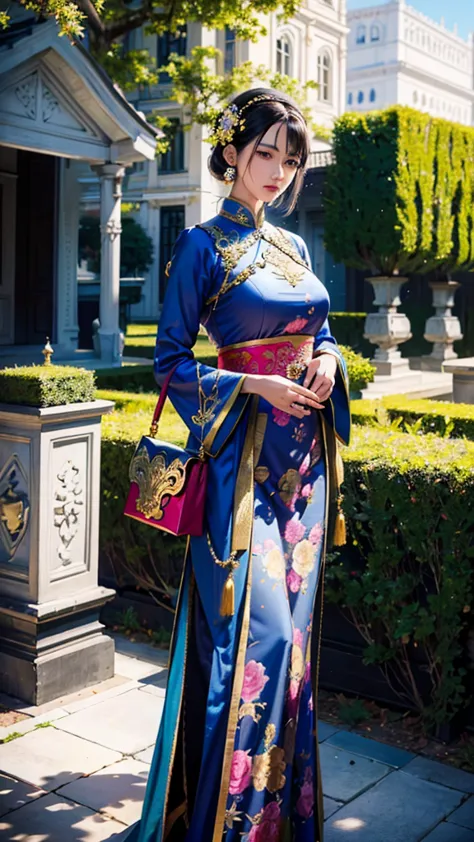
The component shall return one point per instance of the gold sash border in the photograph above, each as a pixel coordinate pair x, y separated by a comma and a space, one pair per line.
296, 340
241, 539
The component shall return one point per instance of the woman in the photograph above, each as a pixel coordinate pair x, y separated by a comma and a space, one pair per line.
237, 753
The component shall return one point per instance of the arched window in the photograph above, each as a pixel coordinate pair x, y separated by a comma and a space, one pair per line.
283, 55
423, 100
324, 76
372, 95
415, 97
349, 98
360, 35
375, 32
360, 97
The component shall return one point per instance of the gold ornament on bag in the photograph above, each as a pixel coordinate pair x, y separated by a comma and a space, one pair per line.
155, 481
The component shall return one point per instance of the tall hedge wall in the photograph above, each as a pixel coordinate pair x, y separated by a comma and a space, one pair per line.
399, 197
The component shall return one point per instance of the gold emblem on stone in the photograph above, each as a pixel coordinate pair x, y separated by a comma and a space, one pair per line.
156, 482
14, 504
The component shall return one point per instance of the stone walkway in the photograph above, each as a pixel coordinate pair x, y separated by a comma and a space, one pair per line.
78, 772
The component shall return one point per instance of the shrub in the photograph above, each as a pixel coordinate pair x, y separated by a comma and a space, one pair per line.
423, 415
405, 578
399, 194
46, 385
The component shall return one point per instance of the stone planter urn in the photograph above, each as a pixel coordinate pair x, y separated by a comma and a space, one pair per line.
443, 328
387, 328
51, 640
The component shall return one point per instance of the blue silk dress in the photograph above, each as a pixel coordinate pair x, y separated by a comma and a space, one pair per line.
236, 756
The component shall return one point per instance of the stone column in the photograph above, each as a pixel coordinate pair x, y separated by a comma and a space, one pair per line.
443, 328
111, 176
51, 640
387, 328
67, 328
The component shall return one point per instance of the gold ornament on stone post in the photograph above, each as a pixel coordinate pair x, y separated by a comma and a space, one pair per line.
47, 352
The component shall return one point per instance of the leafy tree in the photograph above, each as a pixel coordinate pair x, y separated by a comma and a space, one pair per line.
194, 85
136, 247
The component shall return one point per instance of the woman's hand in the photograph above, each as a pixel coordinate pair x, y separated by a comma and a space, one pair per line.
282, 393
323, 370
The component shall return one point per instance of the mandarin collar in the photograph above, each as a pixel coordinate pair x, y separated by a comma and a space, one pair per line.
239, 212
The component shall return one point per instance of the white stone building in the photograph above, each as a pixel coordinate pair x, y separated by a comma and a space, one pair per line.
396, 55
60, 116
177, 190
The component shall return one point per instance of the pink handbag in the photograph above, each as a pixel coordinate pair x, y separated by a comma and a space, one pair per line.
168, 484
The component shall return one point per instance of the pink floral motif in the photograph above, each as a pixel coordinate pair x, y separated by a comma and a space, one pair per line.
304, 467
307, 672
240, 772
268, 544
305, 803
316, 533
294, 531
257, 549
281, 417
298, 638
296, 325
268, 828
254, 681
307, 489
292, 698
293, 581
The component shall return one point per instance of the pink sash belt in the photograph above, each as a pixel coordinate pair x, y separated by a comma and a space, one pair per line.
287, 356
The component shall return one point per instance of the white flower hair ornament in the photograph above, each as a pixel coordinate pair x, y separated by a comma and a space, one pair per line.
231, 121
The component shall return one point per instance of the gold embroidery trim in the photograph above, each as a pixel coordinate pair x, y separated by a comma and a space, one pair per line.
211, 435
241, 538
207, 403
232, 247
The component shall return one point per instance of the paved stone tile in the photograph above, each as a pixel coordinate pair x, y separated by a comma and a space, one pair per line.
142, 651
62, 701
440, 773
325, 730
117, 790
49, 757
330, 806
465, 815
390, 755
90, 701
30, 724
55, 819
133, 668
400, 808
450, 833
345, 774
146, 755
153, 690
127, 723
14, 794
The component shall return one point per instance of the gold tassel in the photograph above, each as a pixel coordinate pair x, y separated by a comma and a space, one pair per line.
340, 530
227, 601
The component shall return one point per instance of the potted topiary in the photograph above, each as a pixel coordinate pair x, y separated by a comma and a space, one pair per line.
51, 641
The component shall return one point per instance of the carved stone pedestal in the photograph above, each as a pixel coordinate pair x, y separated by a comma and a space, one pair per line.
387, 328
443, 328
51, 640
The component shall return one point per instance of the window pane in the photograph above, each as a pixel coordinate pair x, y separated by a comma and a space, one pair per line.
229, 52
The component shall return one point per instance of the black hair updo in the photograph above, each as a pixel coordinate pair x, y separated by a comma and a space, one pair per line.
260, 116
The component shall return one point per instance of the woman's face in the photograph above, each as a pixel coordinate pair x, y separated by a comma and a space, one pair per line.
270, 171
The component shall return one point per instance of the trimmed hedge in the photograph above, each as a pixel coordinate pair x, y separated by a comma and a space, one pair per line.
46, 385
399, 196
405, 577
455, 420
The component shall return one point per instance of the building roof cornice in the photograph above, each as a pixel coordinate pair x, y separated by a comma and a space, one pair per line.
386, 69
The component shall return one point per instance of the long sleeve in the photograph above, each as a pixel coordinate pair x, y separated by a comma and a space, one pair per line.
337, 410
208, 400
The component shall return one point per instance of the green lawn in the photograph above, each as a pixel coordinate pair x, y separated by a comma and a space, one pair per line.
140, 342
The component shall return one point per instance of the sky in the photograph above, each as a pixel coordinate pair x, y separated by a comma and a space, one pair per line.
453, 11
